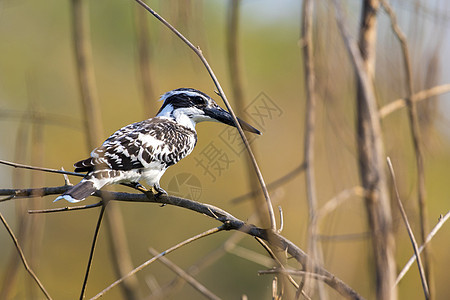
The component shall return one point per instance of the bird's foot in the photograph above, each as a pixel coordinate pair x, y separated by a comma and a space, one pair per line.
137, 186
158, 191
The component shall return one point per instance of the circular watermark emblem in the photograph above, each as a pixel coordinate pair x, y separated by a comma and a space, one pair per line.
185, 185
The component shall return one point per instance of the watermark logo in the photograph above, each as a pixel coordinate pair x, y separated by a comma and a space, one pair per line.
262, 110
185, 185
217, 156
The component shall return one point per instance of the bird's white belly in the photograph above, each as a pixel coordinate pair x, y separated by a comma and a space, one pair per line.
152, 174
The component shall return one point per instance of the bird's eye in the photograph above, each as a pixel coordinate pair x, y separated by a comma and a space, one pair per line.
199, 100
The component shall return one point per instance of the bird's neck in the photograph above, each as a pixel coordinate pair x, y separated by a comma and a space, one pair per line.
178, 117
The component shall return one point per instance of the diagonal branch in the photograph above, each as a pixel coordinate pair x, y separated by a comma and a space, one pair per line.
91, 253
22, 257
183, 274
272, 185
22, 166
228, 106
410, 232
419, 96
430, 236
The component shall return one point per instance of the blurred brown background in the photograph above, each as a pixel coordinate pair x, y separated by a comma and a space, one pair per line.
41, 124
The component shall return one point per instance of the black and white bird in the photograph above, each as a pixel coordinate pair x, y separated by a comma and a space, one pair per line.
144, 150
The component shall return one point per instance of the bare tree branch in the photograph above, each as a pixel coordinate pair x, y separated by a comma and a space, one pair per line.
274, 184
10, 273
189, 279
292, 272
370, 147
91, 253
22, 257
229, 246
94, 132
236, 76
281, 266
309, 139
416, 139
419, 96
148, 262
430, 236
22, 166
228, 106
410, 232
232, 223
67, 208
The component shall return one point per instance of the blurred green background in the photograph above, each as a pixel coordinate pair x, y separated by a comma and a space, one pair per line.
41, 124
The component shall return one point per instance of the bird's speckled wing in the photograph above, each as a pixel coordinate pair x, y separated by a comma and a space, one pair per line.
136, 146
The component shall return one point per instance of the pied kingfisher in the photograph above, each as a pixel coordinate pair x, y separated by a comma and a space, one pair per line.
144, 150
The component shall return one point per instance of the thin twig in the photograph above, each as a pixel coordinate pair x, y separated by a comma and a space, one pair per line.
415, 133
22, 166
67, 208
229, 246
292, 272
91, 254
250, 255
272, 185
22, 257
430, 236
280, 210
148, 262
338, 200
31, 193
228, 106
183, 274
410, 233
277, 261
10, 273
419, 96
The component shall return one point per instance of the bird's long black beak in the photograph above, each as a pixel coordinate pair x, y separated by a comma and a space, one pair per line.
219, 114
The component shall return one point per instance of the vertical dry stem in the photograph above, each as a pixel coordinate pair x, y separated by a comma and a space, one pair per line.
85, 72
10, 272
310, 124
143, 62
237, 88
410, 232
370, 148
94, 132
415, 135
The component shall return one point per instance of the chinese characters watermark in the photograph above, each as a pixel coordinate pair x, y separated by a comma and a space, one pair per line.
218, 155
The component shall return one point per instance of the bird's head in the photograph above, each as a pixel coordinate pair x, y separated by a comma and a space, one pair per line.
190, 106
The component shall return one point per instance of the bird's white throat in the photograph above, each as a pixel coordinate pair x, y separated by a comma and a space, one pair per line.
186, 116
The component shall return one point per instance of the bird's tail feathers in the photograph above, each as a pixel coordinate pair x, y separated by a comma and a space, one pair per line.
78, 192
